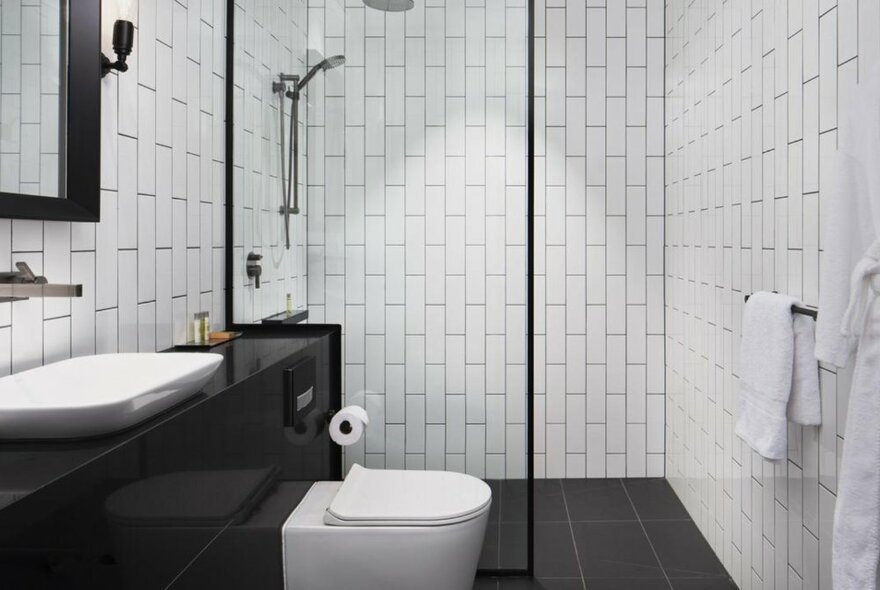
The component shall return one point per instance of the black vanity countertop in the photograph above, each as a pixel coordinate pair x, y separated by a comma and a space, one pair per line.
26, 467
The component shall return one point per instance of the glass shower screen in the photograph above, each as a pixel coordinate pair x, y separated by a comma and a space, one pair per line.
412, 226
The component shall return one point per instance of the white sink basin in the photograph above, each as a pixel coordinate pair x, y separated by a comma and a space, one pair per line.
95, 395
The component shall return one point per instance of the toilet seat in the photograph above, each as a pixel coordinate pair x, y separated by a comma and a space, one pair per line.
380, 497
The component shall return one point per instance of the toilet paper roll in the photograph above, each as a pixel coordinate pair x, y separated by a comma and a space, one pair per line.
347, 425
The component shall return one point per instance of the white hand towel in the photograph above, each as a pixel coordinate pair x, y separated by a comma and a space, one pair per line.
766, 369
804, 405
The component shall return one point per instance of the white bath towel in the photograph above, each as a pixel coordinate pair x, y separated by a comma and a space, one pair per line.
766, 370
851, 239
804, 404
850, 216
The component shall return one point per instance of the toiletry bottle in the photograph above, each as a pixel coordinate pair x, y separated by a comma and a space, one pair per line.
289, 304
206, 326
197, 329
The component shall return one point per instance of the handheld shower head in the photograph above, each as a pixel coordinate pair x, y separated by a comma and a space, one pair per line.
334, 61
326, 64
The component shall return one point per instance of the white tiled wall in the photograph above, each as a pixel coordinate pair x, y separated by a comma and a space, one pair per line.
417, 227
417, 219
30, 102
599, 242
156, 257
270, 39
752, 95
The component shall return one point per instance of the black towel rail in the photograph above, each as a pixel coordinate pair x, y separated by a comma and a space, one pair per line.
808, 311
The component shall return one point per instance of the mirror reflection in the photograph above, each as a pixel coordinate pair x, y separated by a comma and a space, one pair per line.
32, 103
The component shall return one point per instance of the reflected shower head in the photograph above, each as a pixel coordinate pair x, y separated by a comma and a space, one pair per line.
326, 64
390, 5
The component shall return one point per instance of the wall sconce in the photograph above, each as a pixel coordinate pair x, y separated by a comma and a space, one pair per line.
123, 40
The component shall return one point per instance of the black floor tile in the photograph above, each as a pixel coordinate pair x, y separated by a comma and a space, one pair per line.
514, 501
541, 584
513, 544
549, 502
615, 550
495, 509
554, 551
628, 584
720, 583
682, 549
610, 544
597, 499
485, 584
491, 553
654, 499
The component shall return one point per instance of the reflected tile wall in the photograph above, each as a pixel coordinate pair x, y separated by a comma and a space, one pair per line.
30, 101
751, 133
270, 40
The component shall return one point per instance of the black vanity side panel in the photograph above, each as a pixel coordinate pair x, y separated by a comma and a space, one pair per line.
68, 534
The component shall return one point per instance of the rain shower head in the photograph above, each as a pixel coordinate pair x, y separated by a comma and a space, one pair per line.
390, 5
326, 64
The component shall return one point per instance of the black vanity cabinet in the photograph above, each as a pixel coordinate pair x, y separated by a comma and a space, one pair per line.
195, 497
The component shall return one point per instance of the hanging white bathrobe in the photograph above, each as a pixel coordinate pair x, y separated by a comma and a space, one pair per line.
849, 322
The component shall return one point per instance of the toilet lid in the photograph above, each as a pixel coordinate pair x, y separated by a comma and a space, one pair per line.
385, 497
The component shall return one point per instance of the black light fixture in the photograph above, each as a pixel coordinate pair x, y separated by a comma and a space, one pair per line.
123, 42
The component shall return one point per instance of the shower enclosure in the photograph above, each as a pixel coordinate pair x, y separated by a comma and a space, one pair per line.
391, 194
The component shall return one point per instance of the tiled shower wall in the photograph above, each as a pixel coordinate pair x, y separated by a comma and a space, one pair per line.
417, 227
270, 39
752, 109
30, 102
417, 217
156, 257
599, 238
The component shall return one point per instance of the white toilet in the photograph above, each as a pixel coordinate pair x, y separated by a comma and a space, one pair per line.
387, 530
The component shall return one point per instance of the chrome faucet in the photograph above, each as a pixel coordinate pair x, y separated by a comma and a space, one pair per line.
24, 284
26, 275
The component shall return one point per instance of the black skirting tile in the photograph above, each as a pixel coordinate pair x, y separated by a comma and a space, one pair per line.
597, 499
654, 499
615, 550
485, 584
555, 556
683, 550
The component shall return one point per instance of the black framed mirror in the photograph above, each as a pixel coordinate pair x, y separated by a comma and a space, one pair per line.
50, 143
